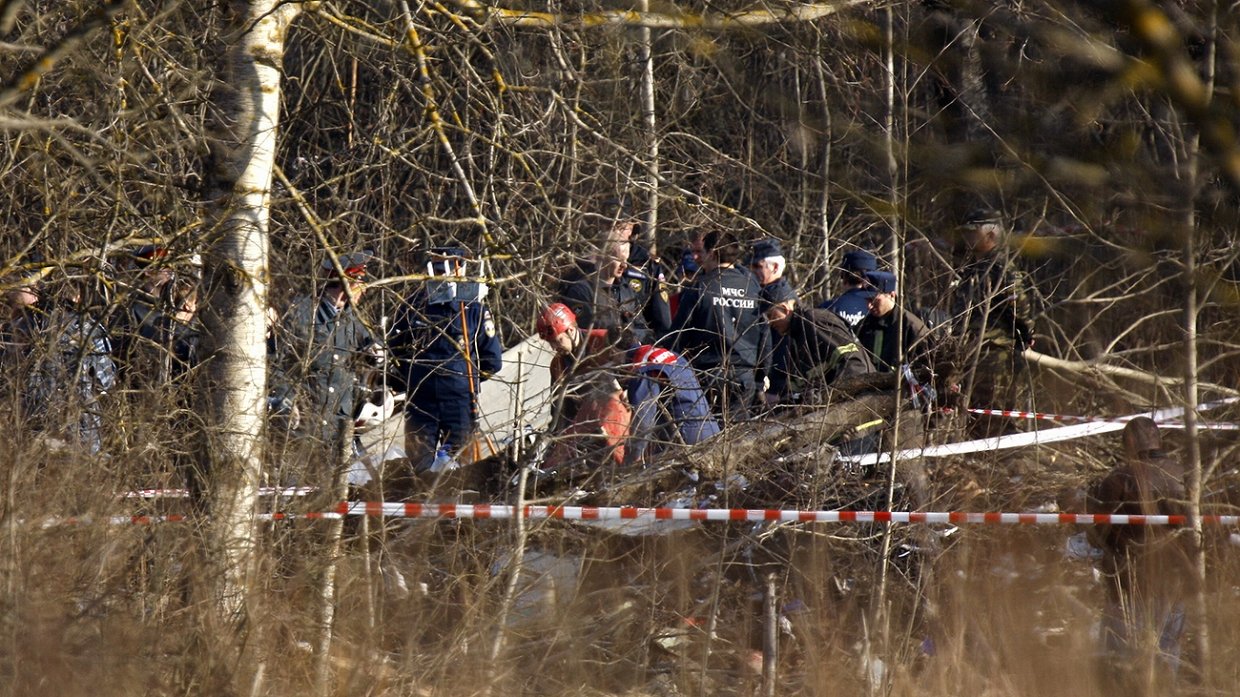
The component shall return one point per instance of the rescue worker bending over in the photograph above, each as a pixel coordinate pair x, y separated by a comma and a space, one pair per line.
592, 421
573, 346
821, 347
577, 353
598, 433
444, 344
667, 402
718, 326
669, 405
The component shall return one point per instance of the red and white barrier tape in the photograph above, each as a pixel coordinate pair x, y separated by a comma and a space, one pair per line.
184, 493
445, 510
504, 512
1067, 418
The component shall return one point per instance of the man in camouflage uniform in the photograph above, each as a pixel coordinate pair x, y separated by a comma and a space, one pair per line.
1147, 569
65, 356
324, 349
992, 315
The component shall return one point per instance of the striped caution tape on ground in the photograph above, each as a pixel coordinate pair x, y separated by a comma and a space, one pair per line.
492, 511
504, 512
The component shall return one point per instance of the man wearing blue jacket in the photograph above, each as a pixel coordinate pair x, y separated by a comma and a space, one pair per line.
854, 303
443, 344
668, 403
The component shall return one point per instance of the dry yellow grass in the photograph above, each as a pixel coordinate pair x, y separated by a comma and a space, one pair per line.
101, 610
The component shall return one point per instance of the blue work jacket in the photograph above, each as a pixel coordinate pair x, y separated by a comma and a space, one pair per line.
429, 346
664, 393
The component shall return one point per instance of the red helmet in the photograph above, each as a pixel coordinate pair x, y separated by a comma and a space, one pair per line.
556, 319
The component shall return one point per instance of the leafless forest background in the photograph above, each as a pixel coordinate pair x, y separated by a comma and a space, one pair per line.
1105, 131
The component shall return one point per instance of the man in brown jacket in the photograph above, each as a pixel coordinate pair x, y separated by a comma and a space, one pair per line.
1146, 567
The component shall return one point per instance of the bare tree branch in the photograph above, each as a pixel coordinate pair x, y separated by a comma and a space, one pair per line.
26, 79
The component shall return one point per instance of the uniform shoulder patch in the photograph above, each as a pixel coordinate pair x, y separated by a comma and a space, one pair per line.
488, 324
636, 284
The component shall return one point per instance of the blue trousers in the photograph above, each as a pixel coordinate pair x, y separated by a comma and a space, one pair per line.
434, 419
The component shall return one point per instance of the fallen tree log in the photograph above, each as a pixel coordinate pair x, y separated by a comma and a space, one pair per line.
786, 444
1097, 368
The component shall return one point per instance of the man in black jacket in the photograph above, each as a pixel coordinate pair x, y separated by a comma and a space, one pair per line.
821, 347
893, 335
768, 264
652, 273
610, 288
719, 328
852, 304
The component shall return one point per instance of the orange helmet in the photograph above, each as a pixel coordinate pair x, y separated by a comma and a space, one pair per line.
556, 319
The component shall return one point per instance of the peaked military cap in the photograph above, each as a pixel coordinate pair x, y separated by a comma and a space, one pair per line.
882, 281
765, 249
859, 262
354, 265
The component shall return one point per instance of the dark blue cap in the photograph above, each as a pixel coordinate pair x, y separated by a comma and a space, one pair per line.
982, 216
881, 281
765, 249
859, 262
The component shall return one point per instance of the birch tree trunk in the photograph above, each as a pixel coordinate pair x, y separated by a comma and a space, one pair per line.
1197, 470
243, 146
649, 119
